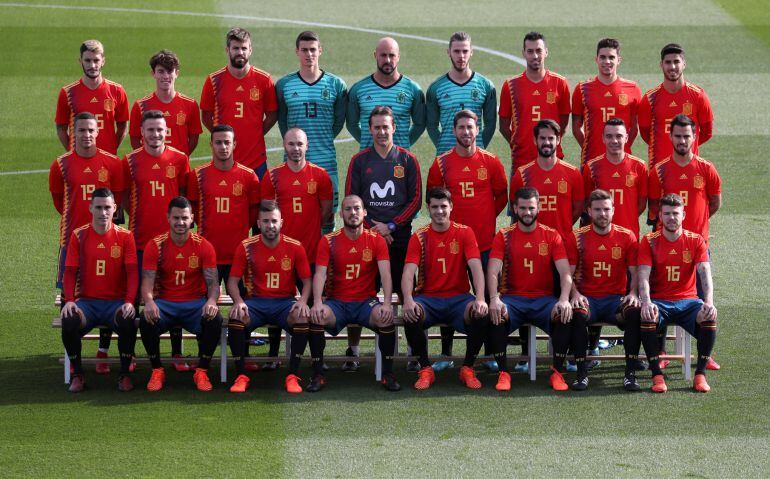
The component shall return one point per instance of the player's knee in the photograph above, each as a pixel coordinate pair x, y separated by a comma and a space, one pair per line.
70, 324
580, 315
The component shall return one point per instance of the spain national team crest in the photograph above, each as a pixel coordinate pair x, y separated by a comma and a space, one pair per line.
237, 188
312, 187
401, 97
697, 182
561, 186
398, 171
617, 252
475, 94
181, 118
550, 97
630, 181
326, 94
103, 174
366, 255
687, 256
193, 262
481, 174
109, 104
254, 93
171, 171
542, 249
116, 251
623, 99
454, 247
286, 264
687, 108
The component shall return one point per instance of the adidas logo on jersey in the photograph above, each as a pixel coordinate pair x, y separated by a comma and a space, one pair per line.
547, 181
466, 169
156, 166
166, 113
683, 177
271, 259
296, 183
94, 100
528, 245
87, 170
446, 95
608, 94
616, 175
368, 97
673, 251
441, 245
673, 104
179, 256
353, 250
536, 93
240, 88
223, 183
602, 248
101, 246
295, 94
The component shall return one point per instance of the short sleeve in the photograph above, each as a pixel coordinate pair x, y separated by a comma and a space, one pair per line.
505, 101
644, 255
208, 255
498, 246
414, 250
381, 249
239, 262
577, 100
207, 96
62, 109
470, 245
322, 254
135, 125
150, 256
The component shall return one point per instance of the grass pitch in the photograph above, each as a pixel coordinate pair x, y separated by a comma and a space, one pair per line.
353, 427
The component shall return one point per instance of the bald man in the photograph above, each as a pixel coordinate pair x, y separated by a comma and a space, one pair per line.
387, 87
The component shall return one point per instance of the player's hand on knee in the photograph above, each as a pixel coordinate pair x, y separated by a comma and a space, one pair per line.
630, 300
562, 311
649, 312
210, 310
239, 311
386, 314
479, 308
300, 310
412, 311
707, 313
128, 311
317, 314
70, 310
496, 311
151, 312
579, 301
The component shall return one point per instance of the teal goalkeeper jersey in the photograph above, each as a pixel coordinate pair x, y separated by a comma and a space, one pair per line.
445, 98
404, 97
319, 109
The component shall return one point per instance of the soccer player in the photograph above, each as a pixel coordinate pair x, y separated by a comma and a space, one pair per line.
100, 284
93, 93
602, 256
387, 87
673, 97
476, 179
442, 251
270, 265
696, 181
183, 117
154, 174
537, 94
669, 261
225, 198
460, 89
315, 101
346, 267
73, 177
180, 288
242, 96
620, 173
524, 256
387, 178
559, 184
604, 97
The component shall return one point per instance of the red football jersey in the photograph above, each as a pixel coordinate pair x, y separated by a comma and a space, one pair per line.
151, 183
179, 269
597, 103
107, 102
478, 185
601, 261
673, 264
526, 103
223, 199
695, 183
558, 187
352, 264
103, 263
76, 178
442, 259
270, 272
625, 181
183, 118
299, 195
528, 260
241, 104
658, 107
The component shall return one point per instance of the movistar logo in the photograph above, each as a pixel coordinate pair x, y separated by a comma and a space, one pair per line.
375, 191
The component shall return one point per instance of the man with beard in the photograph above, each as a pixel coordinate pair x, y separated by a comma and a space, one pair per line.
534, 95
476, 179
602, 256
669, 261
460, 89
347, 265
387, 87
673, 97
270, 265
180, 288
696, 181
387, 179
520, 284
93, 93
442, 251
242, 96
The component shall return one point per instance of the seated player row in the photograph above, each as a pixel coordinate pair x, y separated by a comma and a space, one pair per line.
180, 288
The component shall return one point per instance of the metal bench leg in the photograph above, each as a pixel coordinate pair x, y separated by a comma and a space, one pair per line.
687, 351
377, 358
288, 346
67, 374
223, 355
532, 353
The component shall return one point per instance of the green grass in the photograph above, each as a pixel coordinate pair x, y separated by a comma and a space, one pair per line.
353, 427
